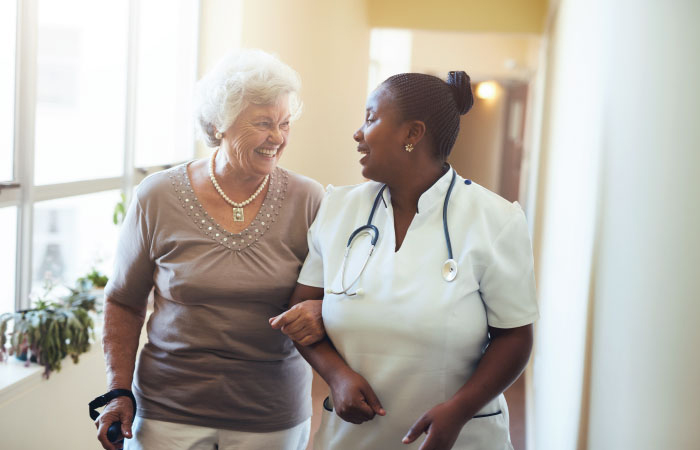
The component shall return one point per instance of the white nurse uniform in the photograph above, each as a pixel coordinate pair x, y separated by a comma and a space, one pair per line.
413, 336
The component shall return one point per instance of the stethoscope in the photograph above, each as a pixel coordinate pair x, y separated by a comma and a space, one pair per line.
449, 267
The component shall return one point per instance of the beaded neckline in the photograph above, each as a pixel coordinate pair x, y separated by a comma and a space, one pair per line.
267, 215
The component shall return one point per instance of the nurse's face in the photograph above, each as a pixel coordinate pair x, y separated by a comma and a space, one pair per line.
380, 138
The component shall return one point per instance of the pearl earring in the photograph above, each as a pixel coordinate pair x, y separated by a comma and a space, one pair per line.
218, 135
409, 148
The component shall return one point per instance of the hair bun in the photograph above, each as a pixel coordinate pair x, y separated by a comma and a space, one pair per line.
461, 90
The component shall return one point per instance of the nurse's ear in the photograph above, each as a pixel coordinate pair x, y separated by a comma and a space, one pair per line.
414, 131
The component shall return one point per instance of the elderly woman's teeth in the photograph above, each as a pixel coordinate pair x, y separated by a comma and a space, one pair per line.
266, 152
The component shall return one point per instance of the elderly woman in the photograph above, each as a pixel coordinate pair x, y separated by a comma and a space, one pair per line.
430, 327
221, 241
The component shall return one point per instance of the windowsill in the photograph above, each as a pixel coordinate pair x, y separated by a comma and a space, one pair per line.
16, 377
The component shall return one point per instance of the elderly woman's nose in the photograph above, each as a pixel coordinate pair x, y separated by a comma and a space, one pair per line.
276, 136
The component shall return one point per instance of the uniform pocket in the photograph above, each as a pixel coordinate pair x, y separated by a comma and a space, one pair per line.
485, 432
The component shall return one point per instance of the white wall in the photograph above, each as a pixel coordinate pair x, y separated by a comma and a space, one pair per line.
645, 383
565, 220
616, 231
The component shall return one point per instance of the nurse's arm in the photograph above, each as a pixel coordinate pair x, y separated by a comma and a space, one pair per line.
353, 398
502, 363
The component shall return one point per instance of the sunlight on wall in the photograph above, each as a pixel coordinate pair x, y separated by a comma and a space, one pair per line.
566, 216
389, 54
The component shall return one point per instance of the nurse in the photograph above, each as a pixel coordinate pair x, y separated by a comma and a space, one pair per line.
425, 333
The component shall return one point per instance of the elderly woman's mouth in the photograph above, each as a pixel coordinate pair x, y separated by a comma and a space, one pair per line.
266, 152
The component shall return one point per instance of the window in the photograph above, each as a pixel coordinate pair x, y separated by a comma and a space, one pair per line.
72, 235
100, 101
8, 18
8, 245
81, 90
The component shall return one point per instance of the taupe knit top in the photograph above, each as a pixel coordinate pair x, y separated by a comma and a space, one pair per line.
212, 359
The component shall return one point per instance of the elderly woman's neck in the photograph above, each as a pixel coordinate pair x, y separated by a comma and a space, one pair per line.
412, 183
232, 173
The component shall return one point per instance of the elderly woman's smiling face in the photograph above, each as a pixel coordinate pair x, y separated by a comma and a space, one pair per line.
256, 139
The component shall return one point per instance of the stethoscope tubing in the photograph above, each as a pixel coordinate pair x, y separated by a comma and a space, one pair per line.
372, 230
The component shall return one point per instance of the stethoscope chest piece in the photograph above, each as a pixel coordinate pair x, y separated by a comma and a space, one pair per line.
449, 270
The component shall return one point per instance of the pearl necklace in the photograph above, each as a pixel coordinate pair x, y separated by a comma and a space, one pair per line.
237, 207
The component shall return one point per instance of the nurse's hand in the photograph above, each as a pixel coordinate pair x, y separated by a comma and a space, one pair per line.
442, 424
302, 322
353, 398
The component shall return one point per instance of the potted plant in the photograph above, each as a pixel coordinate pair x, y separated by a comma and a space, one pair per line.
51, 330
93, 279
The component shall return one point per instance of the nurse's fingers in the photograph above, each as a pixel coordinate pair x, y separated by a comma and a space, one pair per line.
372, 401
419, 427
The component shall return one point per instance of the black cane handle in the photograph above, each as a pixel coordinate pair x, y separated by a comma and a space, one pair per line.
114, 432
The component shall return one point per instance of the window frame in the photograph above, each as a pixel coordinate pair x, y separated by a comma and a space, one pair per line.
20, 191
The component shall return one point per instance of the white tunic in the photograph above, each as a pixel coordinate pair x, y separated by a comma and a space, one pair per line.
415, 337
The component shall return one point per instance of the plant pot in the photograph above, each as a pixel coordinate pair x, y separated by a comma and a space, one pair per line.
23, 357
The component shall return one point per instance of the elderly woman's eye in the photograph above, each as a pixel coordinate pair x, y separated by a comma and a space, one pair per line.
284, 125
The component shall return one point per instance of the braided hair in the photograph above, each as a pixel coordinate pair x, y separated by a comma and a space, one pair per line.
435, 102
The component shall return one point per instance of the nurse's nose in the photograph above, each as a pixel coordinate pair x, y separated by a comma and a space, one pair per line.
358, 136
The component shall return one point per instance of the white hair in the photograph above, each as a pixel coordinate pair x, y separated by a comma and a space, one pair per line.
239, 79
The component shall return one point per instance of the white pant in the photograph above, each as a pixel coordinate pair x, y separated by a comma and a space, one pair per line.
152, 434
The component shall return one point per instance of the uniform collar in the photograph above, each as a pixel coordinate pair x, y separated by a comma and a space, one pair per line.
435, 195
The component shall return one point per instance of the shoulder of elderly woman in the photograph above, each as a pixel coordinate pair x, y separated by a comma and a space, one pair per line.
157, 184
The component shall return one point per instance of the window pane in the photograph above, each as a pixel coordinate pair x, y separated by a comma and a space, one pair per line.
81, 89
8, 246
71, 236
167, 63
8, 17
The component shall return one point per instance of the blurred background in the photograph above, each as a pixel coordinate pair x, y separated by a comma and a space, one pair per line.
585, 113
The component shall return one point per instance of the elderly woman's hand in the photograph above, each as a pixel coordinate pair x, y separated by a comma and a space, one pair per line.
302, 322
118, 410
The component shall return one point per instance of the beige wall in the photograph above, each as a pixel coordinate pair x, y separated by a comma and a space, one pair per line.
483, 56
328, 44
479, 147
513, 16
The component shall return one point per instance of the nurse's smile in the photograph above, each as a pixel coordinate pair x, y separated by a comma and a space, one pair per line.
364, 152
